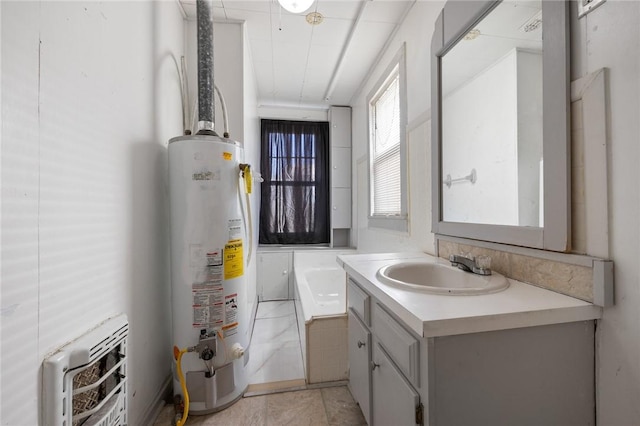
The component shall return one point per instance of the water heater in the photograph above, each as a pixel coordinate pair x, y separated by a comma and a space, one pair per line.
208, 255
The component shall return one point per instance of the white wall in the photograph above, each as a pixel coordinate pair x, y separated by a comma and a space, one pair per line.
607, 37
529, 137
416, 31
252, 156
488, 143
502, 140
91, 96
610, 37
228, 63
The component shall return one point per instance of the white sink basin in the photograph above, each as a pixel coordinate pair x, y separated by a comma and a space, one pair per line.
440, 278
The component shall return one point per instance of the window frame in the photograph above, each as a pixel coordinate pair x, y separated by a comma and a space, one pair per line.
399, 222
320, 234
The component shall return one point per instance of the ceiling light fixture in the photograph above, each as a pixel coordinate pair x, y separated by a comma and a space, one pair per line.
472, 35
315, 18
296, 6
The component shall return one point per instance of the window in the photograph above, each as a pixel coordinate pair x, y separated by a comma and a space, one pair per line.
387, 157
295, 192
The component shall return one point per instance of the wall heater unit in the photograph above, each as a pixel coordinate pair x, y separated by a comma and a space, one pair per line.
85, 382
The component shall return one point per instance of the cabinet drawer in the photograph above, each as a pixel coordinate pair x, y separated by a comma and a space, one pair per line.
358, 301
401, 346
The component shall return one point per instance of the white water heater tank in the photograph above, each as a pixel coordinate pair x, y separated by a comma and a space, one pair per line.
208, 252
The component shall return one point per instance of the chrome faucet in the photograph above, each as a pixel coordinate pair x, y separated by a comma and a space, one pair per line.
468, 264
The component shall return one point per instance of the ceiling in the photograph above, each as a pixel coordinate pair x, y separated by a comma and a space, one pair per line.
301, 65
498, 33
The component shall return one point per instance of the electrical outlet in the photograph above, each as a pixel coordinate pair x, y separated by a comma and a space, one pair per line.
586, 6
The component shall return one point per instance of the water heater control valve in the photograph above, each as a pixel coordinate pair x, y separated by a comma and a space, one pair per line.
206, 347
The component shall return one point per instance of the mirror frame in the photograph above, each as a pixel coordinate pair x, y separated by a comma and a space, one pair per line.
457, 19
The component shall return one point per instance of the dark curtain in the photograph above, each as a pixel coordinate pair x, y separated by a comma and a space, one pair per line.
295, 192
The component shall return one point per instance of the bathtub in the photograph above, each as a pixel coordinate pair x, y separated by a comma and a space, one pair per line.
321, 306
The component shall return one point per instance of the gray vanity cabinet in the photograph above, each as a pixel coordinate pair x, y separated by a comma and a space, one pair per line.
395, 402
360, 364
383, 363
530, 375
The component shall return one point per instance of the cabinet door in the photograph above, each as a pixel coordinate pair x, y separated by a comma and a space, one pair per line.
273, 276
340, 122
341, 167
359, 362
394, 400
341, 208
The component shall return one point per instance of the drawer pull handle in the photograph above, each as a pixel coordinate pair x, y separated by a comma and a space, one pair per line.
361, 344
374, 366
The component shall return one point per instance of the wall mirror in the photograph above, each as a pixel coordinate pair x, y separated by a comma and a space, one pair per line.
500, 122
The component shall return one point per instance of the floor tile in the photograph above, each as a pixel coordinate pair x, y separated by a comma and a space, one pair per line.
165, 418
273, 362
296, 408
333, 406
283, 329
246, 412
275, 309
195, 420
341, 408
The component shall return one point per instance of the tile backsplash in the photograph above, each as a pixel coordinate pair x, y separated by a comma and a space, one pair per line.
565, 278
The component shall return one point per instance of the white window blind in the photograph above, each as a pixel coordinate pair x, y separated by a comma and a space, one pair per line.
386, 165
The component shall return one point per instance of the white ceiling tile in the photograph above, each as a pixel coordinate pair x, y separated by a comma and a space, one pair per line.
258, 24
288, 92
322, 61
385, 11
371, 34
332, 32
251, 6
264, 76
340, 9
313, 92
261, 51
291, 54
294, 61
291, 28
354, 71
508, 19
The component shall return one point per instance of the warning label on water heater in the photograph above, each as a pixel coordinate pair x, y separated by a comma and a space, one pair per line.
231, 308
233, 260
235, 229
230, 315
208, 307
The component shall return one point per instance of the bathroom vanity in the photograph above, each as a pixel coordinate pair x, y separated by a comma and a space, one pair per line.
520, 356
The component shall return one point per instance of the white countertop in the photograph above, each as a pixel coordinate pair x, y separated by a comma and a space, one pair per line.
431, 315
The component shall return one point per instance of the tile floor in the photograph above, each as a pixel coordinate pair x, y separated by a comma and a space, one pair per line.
275, 353
331, 406
276, 362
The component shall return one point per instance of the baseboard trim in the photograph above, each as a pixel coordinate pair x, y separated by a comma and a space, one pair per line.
158, 402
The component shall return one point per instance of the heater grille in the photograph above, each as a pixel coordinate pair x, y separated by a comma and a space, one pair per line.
85, 382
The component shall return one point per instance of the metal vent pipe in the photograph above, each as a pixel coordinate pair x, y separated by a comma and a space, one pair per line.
206, 102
